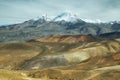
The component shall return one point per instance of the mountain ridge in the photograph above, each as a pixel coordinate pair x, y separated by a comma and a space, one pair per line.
42, 27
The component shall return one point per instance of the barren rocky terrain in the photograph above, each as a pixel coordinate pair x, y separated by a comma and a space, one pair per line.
61, 57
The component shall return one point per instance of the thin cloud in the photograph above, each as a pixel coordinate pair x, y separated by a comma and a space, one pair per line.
12, 11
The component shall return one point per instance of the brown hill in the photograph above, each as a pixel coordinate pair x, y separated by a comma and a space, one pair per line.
67, 38
61, 58
14, 53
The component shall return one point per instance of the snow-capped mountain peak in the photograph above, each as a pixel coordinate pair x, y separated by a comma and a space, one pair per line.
69, 17
92, 21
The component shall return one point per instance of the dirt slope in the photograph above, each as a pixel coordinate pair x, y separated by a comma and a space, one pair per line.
62, 58
67, 38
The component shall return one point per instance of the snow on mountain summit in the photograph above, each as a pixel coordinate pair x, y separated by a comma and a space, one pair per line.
92, 21
69, 17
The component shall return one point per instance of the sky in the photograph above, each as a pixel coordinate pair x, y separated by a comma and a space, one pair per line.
16, 11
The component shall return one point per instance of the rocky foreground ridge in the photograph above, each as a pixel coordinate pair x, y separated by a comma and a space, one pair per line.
61, 57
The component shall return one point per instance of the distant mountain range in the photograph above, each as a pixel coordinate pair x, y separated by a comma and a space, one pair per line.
62, 48
63, 24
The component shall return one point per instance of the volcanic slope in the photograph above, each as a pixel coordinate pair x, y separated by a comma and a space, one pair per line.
60, 57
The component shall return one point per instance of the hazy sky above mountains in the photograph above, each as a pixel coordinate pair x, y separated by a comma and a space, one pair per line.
13, 11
